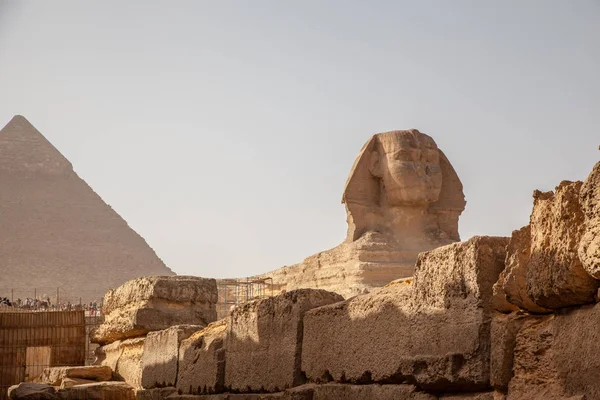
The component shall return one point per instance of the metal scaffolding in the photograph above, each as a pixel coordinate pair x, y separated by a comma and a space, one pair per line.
237, 291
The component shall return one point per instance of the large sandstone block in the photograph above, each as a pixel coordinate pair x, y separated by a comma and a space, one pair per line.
55, 375
544, 271
201, 367
556, 356
264, 340
99, 391
155, 303
434, 331
589, 246
124, 358
555, 275
161, 355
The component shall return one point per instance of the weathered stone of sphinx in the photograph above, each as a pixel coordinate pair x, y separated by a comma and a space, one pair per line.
402, 197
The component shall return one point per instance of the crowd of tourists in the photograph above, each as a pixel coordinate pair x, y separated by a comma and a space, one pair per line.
91, 309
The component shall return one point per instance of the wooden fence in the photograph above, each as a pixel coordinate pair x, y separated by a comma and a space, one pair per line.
32, 341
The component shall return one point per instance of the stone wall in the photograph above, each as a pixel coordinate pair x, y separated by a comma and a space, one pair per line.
486, 319
146, 319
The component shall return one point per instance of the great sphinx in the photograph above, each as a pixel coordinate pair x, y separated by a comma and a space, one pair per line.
402, 197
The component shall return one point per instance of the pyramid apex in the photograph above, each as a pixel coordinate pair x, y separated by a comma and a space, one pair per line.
17, 120
24, 149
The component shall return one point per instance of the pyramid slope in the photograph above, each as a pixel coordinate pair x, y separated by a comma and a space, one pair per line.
55, 231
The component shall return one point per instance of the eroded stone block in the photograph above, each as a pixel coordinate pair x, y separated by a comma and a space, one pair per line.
202, 361
264, 340
161, 355
99, 391
55, 375
155, 303
503, 337
555, 356
32, 391
434, 331
555, 276
124, 358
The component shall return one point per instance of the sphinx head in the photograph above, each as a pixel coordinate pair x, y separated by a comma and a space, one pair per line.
402, 170
407, 163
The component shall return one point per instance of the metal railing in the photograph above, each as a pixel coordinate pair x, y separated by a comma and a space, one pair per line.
46, 299
232, 292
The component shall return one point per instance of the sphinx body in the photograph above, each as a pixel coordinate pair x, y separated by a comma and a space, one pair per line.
402, 197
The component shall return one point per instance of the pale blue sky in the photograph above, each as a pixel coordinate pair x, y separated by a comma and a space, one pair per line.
223, 131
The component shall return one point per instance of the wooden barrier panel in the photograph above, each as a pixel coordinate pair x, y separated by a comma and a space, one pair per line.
32, 341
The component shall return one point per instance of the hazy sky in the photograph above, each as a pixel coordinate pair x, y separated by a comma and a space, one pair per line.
224, 131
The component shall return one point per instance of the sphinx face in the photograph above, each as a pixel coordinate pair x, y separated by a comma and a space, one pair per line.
408, 164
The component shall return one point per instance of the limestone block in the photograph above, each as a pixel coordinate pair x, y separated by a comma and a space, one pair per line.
264, 340
589, 246
503, 339
336, 391
434, 331
161, 355
32, 391
556, 356
55, 375
555, 276
514, 278
543, 268
124, 358
155, 303
202, 361
99, 391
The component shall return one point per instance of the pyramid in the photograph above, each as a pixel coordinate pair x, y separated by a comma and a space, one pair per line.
56, 233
